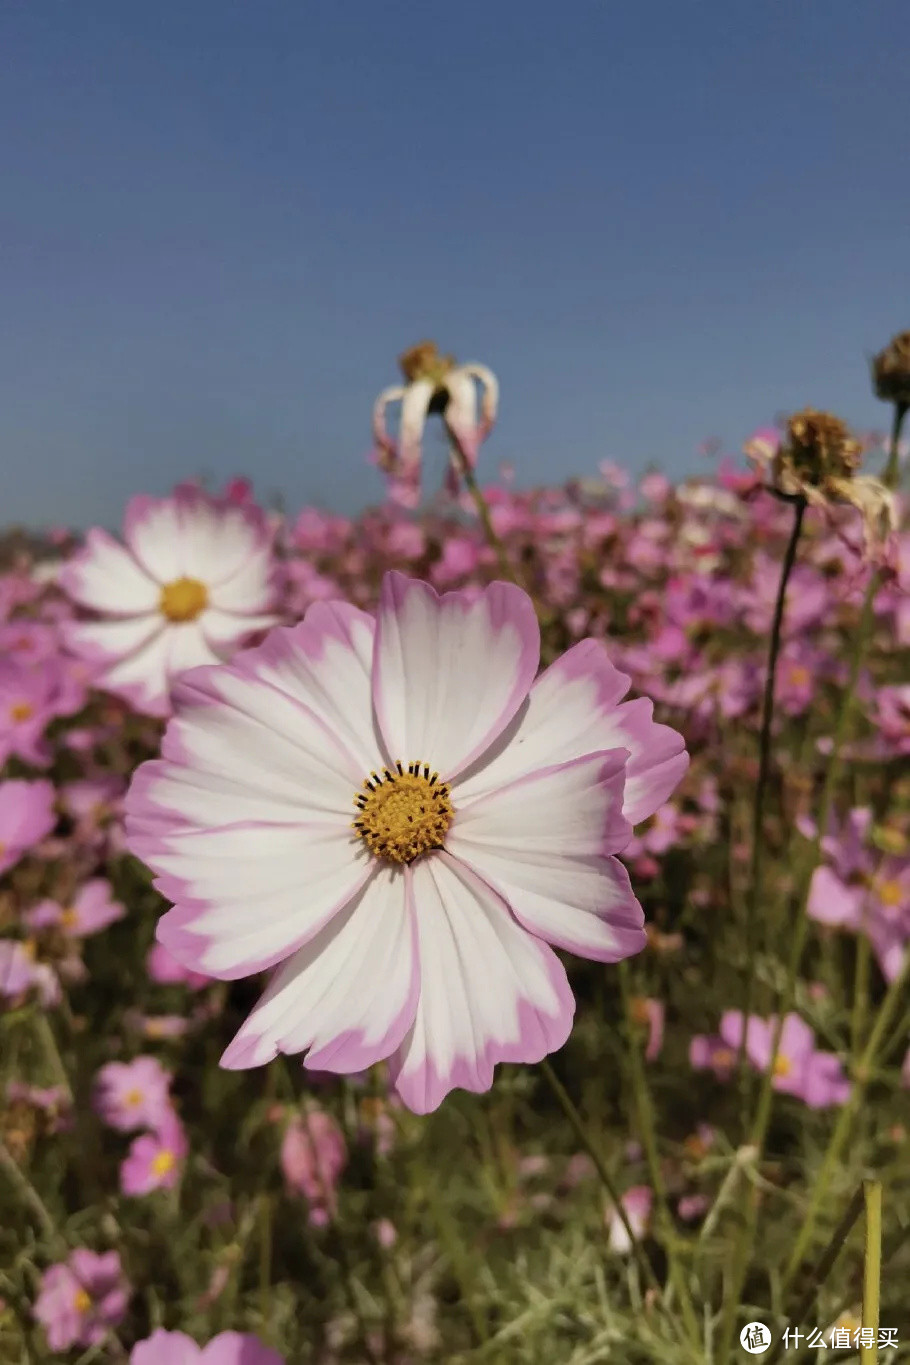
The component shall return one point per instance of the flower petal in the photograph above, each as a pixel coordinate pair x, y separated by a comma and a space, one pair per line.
348, 995
107, 578
489, 991
109, 641
574, 709
450, 672
249, 895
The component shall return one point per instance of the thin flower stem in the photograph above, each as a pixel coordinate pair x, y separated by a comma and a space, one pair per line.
860, 993
495, 541
893, 998
761, 786
581, 1132
30, 1196
872, 1268
800, 929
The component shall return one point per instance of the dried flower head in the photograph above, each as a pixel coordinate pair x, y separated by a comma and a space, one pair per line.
891, 371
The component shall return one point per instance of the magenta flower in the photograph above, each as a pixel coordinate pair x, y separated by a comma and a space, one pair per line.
313, 1156
131, 1095
815, 1077
92, 908
444, 833
26, 817
228, 1348
155, 1159
193, 583
81, 1299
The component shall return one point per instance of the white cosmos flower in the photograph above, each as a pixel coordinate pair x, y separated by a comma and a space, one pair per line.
394, 814
192, 583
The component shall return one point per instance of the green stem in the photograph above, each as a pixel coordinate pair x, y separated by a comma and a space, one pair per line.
761, 786
872, 1268
892, 1000
495, 541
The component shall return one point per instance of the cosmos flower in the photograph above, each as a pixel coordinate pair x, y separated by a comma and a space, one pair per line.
91, 909
815, 1077
433, 384
313, 1156
637, 1204
26, 817
81, 1299
19, 972
399, 817
228, 1348
155, 1159
193, 582
130, 1095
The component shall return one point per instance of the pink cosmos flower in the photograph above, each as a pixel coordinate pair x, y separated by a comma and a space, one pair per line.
313, 1156
130, 1095
799, 1069
19, 972
193, 583
711, 1053
164, 968
340, 801
26, 817
155, 1159
91, 909
228, 1348
893, 715
81, 1299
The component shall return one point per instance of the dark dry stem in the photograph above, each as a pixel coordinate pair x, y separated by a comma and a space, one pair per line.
758, 807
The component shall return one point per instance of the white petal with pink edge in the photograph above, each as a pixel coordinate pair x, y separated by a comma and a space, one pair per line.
187, 648
142, 677
489, 991
247, 896
449, 674
105, 577
249, 590
153, 531
349, 995
325, 662
113, 639
573, 709
232, 725
225, 631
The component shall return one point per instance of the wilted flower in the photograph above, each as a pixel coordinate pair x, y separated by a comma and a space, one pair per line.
193, 583
817, 459
81, 1299
228, 1348
486, 823
891, 371
433, 384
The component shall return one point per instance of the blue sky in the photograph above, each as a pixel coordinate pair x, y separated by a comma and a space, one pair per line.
220, 223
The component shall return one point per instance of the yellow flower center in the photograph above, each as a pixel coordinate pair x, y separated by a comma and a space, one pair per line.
891, 894
21, 710
723, 1057
403, 814
82, 1301
69, 918
799, 675
133, 1097
782, 1066
183, 599
163, 1162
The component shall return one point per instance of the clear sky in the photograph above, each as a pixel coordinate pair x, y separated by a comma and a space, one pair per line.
222, 220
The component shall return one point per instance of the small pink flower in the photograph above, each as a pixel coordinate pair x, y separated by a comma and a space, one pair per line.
130, 1095
91, 909
313, 1156
637, 1203
815, 1077
711, 1053
26, 817
81, 1299
164, 968
155, 1160
228, 1348
20, 972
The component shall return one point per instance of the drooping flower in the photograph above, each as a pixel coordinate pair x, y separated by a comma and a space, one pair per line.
487, 811
433, 384
800, 1069
26, 817
81, 1299
192, 584
130, 1095
155, 1159
313, 1156
228, 1348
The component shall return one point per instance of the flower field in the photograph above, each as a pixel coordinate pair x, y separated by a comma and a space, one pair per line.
476, 930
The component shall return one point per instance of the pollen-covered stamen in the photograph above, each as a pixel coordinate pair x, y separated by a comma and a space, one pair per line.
183, 599
403, 814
